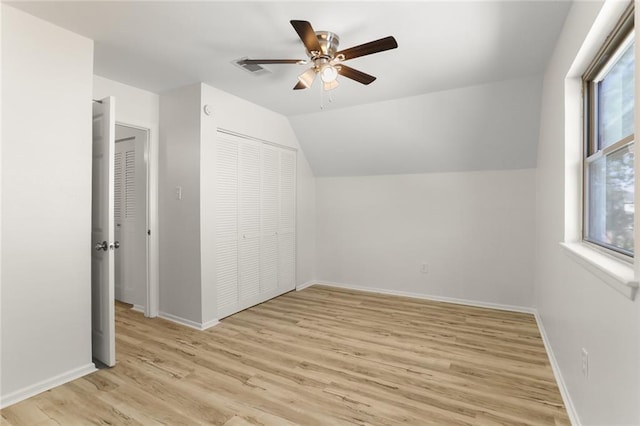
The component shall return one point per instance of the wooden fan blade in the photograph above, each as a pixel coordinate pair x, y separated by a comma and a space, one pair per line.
307, 35
356, 75
272, 61
372, 47
299, 86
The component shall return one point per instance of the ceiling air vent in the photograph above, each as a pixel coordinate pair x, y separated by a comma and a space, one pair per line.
254, 69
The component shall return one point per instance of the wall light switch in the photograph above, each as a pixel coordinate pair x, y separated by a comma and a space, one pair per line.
178, 193
584, 355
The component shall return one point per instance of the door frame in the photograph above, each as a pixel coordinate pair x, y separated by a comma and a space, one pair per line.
151, 219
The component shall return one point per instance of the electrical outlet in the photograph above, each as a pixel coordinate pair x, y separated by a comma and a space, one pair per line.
178, 193
424, 268
585, 362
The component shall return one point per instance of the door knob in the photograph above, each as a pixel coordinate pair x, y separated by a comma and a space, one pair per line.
116, 244
102, 246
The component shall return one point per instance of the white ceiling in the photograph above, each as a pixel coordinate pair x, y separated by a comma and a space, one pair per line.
461, 92
442, 45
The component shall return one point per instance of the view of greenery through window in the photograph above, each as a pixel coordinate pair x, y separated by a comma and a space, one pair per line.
611, 203
615, 100
611, 177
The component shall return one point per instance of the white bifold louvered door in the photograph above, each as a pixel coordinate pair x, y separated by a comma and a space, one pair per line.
125, 219
269, 219
227, 225
249, 221
287, 221
255, 222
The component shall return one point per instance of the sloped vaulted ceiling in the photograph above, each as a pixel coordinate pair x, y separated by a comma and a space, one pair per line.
461, 92
485, 127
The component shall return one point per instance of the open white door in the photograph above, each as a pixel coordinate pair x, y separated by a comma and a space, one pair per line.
103, 337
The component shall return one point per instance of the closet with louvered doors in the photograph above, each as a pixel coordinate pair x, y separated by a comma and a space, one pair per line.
255, 222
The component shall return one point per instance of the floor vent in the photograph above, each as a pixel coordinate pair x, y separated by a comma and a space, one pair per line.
254, 69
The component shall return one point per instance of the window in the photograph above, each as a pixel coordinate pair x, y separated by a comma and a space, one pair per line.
608, 89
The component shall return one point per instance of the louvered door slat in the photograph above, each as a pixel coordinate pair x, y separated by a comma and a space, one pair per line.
117, 196
227, 190
269, 264
286, 261
227, 275
249, 269
287, 191
270, 190
130, 184
249, 190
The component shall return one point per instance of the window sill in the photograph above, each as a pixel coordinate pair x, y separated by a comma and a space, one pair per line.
616, 273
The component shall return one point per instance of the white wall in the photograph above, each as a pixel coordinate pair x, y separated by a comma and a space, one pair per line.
46, 205
232, 113
1, 363
577, 309
140, 108
475, 231
179, 166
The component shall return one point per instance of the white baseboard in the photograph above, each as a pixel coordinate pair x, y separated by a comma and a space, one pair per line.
187, 323
208, 324
45, 385
138, 308
475, 303
564, 392
305, 285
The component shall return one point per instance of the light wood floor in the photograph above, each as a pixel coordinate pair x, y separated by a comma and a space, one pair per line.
321, 356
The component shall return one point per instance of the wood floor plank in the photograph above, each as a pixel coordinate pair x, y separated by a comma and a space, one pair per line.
321, 356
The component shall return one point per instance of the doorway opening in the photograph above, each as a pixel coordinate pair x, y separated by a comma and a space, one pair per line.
121, 219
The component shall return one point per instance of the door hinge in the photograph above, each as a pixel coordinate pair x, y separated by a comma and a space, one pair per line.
148, 231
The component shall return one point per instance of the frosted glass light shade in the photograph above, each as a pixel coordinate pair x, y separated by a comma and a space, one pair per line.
307, 77
328, 73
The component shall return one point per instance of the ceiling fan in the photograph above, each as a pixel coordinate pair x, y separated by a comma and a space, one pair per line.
325, 59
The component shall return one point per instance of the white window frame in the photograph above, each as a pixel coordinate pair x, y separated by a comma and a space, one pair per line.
621, 275
614, 46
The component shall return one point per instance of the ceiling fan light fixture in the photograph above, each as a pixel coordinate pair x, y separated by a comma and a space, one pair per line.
307, 77
328, 73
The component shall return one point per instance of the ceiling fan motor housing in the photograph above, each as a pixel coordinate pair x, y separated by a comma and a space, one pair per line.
328, 43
